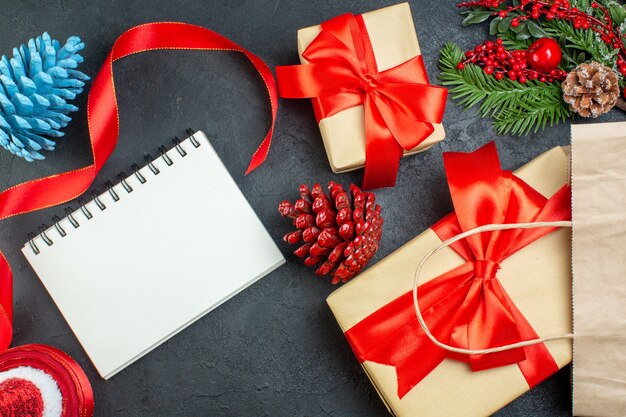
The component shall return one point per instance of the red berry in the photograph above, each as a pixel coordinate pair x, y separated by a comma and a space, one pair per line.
522, 79
512, 75
502, 14
499, 75
499, 41
542, 79
622, 70
460, 65
488, 70
544, 55
594, 5
515, 22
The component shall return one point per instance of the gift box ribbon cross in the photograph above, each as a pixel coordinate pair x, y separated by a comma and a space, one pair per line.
468, 307
400, 105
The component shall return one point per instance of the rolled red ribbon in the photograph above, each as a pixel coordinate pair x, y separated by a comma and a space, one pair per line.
400, 105
467, 307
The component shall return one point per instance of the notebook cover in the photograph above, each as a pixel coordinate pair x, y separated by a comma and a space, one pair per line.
156, 260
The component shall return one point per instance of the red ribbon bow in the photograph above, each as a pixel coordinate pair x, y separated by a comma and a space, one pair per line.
467, 306
400, 105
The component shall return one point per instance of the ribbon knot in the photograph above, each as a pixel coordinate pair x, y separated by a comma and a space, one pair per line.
369, 83
342, 72
485, 268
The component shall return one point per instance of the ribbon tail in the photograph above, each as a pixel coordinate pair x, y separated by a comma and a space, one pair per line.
392, 335
6, 304
490, 323
382, 151
260, 154
539, 363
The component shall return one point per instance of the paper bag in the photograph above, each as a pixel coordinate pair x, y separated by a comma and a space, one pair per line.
599, 268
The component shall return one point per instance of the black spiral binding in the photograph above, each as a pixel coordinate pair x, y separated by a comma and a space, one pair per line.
95, 196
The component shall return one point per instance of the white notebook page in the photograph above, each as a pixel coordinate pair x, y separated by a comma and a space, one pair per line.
157, 259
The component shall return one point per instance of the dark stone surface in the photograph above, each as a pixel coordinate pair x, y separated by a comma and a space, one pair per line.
275, 349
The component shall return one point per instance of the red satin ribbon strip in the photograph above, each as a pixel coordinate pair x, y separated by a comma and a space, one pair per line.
102, 117
6, 304
467, 306
400, 105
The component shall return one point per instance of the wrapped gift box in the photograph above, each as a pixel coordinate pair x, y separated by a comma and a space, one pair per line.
394, 41
537, 278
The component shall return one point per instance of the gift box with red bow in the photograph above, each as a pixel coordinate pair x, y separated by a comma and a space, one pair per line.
485, 291
372, 99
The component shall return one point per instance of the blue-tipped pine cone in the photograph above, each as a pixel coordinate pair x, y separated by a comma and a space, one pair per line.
35, 87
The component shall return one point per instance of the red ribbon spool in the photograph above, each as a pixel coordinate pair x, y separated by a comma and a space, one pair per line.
29, 393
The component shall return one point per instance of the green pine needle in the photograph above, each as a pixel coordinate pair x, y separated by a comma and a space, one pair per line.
516, 108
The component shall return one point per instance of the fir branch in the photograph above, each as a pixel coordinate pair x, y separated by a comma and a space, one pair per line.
516, 108
578, 45
577, 41
530, 117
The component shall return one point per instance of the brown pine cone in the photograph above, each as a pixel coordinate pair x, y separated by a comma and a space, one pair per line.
339, 234
591, 89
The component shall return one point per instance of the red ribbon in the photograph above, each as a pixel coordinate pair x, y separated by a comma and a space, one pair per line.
102, 117
400, 105
76, 392
467, 306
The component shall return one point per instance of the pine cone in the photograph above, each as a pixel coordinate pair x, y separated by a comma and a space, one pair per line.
591, 89
34, 88
339, 234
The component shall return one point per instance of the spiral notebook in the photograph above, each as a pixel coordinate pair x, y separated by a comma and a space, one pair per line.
152, 254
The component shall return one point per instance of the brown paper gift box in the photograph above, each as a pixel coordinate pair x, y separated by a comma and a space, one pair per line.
538, 279
394, 41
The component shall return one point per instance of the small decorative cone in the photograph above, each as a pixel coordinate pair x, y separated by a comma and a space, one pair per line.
36, 85
591, 89
338, 234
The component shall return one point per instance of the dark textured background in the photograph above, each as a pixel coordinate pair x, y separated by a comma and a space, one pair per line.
275, 349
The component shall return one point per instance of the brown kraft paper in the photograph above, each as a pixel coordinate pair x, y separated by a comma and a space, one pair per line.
599, 269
